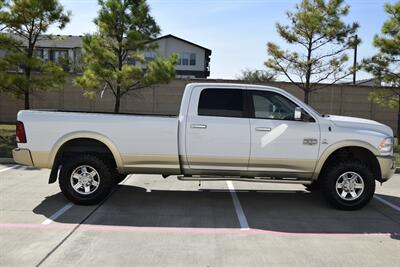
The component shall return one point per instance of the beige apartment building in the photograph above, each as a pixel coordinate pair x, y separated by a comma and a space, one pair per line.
193, 59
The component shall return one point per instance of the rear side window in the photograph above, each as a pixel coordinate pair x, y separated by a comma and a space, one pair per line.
221, 102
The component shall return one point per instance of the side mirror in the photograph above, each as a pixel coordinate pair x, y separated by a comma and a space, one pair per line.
297, 114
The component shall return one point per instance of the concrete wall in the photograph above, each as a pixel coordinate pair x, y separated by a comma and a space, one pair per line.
338, 99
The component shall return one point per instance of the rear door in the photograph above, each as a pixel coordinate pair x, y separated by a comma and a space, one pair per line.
217, 130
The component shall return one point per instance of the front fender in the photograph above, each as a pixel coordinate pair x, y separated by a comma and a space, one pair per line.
334, 147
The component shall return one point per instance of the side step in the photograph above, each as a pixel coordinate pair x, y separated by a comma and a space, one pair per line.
244, 179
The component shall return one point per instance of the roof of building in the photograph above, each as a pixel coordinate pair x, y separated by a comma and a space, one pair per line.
52, 41
62, 41
183, 40
75, 41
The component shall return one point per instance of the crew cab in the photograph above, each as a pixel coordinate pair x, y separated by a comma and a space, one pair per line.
223, 132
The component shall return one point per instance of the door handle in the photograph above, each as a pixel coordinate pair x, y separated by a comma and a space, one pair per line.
263, 129
198, 126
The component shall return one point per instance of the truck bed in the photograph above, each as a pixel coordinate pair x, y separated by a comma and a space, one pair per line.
139, 139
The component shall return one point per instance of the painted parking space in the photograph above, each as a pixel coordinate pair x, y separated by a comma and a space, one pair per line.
149, 220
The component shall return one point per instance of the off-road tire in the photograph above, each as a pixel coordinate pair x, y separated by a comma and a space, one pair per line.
105, 185
329, 178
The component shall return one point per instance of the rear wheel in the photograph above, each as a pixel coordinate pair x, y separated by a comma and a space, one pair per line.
85, 180
348, 185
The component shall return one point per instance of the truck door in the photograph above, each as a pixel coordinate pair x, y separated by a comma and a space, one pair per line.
281, 145
217, 130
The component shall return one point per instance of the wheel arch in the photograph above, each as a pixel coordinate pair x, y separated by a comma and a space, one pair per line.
57, 149
367, 151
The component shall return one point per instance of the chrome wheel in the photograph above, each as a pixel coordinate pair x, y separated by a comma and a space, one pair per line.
350, 186
85, 180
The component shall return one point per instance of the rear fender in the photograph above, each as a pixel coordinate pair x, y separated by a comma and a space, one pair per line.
54, 159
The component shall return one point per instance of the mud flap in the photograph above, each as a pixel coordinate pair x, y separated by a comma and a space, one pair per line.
54, 173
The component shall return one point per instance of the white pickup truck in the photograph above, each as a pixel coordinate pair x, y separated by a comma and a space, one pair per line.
223, 132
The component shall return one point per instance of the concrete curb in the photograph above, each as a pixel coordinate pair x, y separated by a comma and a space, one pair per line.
7, 160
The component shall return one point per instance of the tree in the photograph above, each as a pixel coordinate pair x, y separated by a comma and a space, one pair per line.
385, 66
256, 76
26, 22
7, 45
113, 57
319, 39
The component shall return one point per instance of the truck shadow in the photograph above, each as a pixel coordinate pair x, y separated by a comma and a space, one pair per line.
278, 211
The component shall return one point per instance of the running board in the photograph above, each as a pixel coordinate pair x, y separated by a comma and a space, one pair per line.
245, 179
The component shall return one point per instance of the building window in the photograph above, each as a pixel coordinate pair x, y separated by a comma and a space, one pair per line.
187, 59
130, 60
149, 55
38, 53
184, 59
46, 54
56, 55
192, 59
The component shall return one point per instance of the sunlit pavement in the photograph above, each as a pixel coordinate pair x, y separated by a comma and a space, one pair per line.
149, 220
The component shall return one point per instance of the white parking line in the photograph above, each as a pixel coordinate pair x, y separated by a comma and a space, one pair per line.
58, 213
65, 208
393, 206
238, 207
9, 168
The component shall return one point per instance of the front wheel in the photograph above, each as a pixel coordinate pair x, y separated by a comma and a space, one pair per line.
348, 185
86, 180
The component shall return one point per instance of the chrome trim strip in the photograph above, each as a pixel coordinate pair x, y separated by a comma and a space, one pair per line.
240, 179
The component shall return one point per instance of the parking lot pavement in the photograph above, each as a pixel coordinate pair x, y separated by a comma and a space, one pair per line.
149, 220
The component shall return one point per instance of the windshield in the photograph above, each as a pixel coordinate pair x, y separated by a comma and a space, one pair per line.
310, 107
313, 109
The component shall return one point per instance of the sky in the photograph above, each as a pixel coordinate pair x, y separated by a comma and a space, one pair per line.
236, 31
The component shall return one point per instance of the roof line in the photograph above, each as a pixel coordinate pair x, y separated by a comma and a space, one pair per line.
183, 40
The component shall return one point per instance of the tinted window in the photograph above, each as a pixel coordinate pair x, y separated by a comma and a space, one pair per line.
270, 105
192, 59
221, 102
149, 55
184, 58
